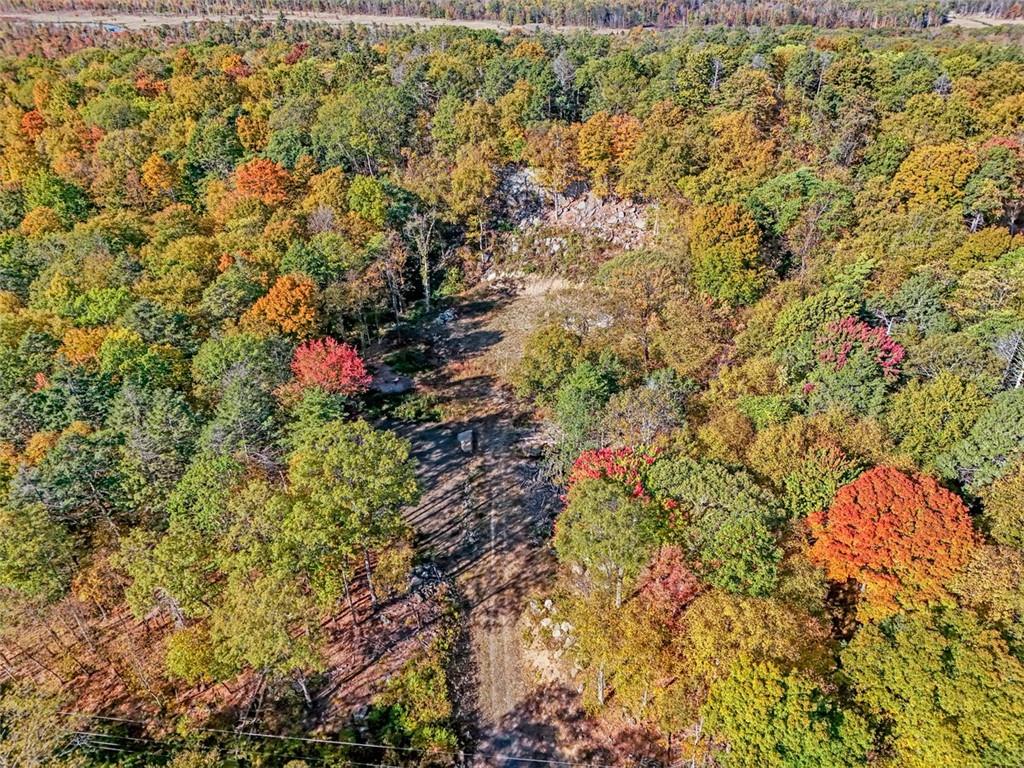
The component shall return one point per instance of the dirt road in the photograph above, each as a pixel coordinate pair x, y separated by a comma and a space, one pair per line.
485, 520
143, 20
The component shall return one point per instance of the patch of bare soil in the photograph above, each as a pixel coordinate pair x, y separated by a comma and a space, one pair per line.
980, 21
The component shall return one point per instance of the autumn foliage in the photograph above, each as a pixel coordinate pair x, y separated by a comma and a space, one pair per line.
669, 585
331, 366
844, 337
626, 465
33, 124
263, 179
288, 307
81, 345
901, 536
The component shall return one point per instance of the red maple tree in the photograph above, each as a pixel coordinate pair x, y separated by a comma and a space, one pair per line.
33, 124
668, 585
900, 536
626, 465
843, 337
296, 53
330, 365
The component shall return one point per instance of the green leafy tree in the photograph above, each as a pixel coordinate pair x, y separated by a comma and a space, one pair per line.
36, 554
268, 624
362, 128
927, 419
799, 324
722, 631
1002, 510
261, 361
190, 656
174, 572
726, 251
608, 531
415, 706
771, 718
200, 498
579, 402
80, 483
212, 151
945, 689
993, 445
723, 520
802, 210
549, 355
813, 484
235, 290
360, 479
34, 729
159, 430
368, 197
47, 190
246, 420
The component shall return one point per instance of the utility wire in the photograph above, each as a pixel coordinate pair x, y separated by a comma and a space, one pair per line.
103, 741
343, 743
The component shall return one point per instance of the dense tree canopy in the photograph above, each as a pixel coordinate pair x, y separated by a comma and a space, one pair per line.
741, 307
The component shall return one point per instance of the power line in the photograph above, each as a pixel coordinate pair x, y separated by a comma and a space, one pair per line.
343, 743
103, 741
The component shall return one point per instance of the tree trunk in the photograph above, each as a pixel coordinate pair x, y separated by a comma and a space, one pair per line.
301, 682
600, 685
174, 609
351, 603
369, 576
425, 276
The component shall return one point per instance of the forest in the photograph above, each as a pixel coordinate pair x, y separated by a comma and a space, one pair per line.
612, 14
779, 398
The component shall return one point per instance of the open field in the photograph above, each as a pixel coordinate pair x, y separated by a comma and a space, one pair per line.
981, 21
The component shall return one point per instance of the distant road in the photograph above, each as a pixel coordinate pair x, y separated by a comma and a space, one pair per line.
980, 21
143, 20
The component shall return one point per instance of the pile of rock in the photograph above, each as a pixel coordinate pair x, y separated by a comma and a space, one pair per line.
530, 206
520, 196
621, 222
547, 627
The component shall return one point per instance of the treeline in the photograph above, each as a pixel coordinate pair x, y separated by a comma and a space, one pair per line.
24, 39
590, 13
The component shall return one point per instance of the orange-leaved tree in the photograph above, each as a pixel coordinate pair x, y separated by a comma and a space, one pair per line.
263, 179
900, 536
289, 307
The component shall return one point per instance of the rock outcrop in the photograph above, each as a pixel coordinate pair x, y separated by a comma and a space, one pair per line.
530, 207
